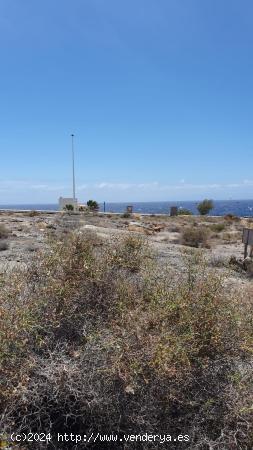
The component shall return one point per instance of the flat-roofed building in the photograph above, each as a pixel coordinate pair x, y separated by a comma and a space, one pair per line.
64, 201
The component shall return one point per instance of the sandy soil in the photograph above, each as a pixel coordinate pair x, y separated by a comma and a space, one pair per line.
28, 234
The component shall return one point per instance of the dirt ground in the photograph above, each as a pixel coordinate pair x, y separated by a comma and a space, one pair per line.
28, 232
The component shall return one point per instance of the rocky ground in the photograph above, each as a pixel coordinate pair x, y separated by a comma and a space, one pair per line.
22, 234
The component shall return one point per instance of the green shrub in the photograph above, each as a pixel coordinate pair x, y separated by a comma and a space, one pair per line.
126, 215
217, 227
33, 213
184, 212
205, 207
92, 205
195, 236
69, 207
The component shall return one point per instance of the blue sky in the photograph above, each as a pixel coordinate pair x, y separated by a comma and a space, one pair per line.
158, 93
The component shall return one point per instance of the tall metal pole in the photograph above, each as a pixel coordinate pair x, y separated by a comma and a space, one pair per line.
73, 168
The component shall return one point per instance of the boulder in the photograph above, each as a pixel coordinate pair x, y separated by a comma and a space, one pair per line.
158, 227
248, 265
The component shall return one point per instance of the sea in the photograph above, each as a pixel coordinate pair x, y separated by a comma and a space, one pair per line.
241, 208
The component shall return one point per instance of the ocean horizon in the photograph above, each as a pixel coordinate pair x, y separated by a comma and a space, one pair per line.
241, 208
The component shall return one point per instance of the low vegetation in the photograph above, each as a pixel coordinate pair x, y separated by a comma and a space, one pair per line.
217, 227
69, 208
33, 213
4, 232
195, 236
126, 215
184, 212
219, 261
96, 338
92, 205
232, 218
205, 207
4, 245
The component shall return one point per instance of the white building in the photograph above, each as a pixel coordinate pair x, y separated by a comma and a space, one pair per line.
63, 201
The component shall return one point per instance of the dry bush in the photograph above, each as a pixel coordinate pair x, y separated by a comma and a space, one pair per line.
4, 246
4, 232
130, 253
217, 227
126, 215
184, 212
174, 228
93, 338
232, 237
232, 218
195, 236
33, 213
219, 261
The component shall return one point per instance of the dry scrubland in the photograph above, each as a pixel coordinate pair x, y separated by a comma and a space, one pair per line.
126, 324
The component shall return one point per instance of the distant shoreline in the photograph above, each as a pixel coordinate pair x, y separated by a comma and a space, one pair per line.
43, 211
240, 208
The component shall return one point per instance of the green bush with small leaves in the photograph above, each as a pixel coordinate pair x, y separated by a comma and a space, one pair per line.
69, 208
92, 205
205, 207
217, 227
184, 212
195, 236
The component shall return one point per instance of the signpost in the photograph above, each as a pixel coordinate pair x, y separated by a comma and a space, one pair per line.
173, 210
247, 239
73, 168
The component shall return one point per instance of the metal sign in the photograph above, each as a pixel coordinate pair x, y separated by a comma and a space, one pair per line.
173, 210
247, 239
247, 236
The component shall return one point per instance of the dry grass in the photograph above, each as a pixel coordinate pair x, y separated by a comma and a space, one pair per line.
4, 245
217, 227
96, 338
4, 232
33, 213
232, 218
195, 236
232, 236
219, 261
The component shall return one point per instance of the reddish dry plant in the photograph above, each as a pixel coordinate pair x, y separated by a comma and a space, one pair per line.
94, 337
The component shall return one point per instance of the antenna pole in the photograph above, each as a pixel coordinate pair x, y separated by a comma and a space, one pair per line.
73, 168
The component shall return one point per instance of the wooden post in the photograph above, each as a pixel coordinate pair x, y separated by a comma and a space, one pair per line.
173, 211
247, 239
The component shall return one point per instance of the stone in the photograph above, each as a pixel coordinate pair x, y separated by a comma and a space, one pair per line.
248, 265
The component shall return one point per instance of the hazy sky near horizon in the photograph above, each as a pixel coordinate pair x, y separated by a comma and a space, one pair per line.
158, 93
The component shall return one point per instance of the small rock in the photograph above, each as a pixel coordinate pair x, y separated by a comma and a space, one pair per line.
51, 226
4, 246
248, 265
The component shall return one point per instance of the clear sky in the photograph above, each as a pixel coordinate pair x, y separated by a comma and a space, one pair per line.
158, 93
